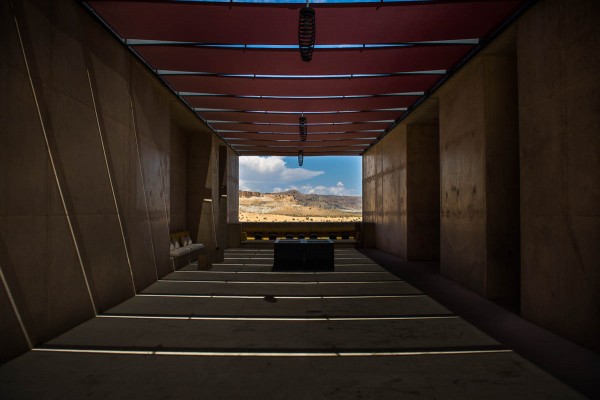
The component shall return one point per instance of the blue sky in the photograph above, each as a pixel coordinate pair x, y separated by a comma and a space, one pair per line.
321, 175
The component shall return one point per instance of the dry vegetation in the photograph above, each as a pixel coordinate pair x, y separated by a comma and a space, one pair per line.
294, 206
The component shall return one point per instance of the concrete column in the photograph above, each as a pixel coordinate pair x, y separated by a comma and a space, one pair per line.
207, 231
233, 184
401, 193
178, 171
198, 184
384, 194
422, 193
479, 175
222, 230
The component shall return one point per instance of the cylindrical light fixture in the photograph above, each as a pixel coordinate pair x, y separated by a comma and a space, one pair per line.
307, 32
303, 128
300, 157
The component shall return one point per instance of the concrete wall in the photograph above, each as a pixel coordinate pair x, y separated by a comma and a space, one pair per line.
178, 174
479, 174
85, 148
519, 171
198, 179
401, 192
422, 192
233, 185
384, 192
559, 123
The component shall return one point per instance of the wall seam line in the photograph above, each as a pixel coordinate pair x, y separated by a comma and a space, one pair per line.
87, 284
112, 188
167, 215
137, 147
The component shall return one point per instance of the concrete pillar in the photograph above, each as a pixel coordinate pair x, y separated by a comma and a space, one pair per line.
178, 170
479, 175
233, 184
198, 181
401, 193
207, 231
234, 232
222, 228
422, 193
384, 193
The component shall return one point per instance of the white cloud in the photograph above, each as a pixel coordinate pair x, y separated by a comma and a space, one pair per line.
272, 170
338, 190
243, 185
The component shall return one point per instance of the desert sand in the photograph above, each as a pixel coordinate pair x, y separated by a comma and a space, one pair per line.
296, 207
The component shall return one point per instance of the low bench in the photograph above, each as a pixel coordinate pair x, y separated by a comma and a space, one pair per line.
187, 252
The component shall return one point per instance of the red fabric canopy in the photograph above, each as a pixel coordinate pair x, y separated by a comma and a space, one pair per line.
277, 24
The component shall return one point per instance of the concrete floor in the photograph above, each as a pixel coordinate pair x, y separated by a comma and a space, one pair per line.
242, 331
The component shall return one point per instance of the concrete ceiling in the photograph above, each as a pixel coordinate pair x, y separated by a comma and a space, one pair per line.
237, 64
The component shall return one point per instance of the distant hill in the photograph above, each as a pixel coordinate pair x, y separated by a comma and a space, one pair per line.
296, 206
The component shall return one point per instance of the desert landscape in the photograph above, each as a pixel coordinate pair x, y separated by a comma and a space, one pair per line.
294, 206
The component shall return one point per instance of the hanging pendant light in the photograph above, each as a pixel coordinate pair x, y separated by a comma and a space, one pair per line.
300, 157
303, 128
307, 32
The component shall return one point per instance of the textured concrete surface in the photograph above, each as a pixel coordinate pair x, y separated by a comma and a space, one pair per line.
401, 192
423, 193
292, 348
479, 178
84, 172
233, 184
573, 364
558, 47
177, 178
384, 192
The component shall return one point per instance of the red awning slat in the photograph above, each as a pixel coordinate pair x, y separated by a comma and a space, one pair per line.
369, 103
301, 87
324, 62
278, 24
293, 118
298, 143
313, 149
288, 129
311, 136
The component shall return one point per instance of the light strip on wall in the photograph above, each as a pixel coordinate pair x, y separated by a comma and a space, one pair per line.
112, 187
13, 304
167, 215
51, 158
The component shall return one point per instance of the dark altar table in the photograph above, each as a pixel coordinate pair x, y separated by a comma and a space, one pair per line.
303, 254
